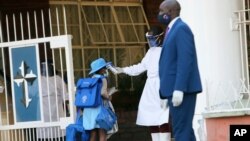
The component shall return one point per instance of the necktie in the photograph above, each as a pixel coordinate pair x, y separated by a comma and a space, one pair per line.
166, 32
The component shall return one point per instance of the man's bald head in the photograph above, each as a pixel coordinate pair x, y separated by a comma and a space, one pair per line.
171, 6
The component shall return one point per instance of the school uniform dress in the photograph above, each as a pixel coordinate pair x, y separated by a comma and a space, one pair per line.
150, 112
53, 109
90, 114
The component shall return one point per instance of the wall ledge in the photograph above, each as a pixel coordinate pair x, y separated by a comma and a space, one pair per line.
226, 113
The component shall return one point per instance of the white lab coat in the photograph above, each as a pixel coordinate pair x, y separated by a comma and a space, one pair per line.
150, 112
53, 108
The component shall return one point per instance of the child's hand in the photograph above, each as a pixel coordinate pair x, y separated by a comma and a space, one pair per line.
112, 91
106, 96
110, 98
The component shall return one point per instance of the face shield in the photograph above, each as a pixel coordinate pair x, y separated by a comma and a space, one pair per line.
47, 68
154, 41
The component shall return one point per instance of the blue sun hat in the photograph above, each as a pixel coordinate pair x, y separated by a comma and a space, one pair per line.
98, 64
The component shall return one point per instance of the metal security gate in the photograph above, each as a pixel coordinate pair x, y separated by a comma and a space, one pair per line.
36, 80
234, 96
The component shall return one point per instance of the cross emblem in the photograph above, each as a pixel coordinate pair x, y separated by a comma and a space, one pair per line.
22, 79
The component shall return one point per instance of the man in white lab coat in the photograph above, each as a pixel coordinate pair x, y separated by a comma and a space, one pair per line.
152, 111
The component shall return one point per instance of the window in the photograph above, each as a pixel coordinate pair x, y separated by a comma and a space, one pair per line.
112, 30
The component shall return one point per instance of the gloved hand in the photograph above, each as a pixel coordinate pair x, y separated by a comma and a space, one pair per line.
119, 70
164, 104
177, 98
112, 69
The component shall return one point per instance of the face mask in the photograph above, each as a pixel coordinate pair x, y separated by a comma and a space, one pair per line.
153, 41
106, 74
164, 19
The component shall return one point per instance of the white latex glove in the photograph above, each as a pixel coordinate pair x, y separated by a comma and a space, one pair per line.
177, 98
112, 69
164, 103
119, 70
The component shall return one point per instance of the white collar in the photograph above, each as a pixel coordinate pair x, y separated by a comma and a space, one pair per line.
172, 23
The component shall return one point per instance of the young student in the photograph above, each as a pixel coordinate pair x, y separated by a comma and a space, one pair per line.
152, 111
98, 69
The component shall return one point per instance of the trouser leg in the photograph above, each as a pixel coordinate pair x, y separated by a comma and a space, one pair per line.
182, 118
154, 130
165, 134
160, 133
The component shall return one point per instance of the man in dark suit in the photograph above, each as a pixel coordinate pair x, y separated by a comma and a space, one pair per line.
178, 70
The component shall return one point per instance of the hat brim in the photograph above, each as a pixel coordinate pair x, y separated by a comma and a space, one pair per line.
95, 70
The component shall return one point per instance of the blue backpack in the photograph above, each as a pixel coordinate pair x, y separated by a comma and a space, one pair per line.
88, 92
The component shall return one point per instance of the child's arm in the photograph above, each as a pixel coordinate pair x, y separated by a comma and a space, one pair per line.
104, 91
112, 91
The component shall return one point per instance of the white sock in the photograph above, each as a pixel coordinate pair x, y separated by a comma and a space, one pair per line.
165, 136
155, 136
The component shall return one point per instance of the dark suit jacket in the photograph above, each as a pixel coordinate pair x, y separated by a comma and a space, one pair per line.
178, 68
